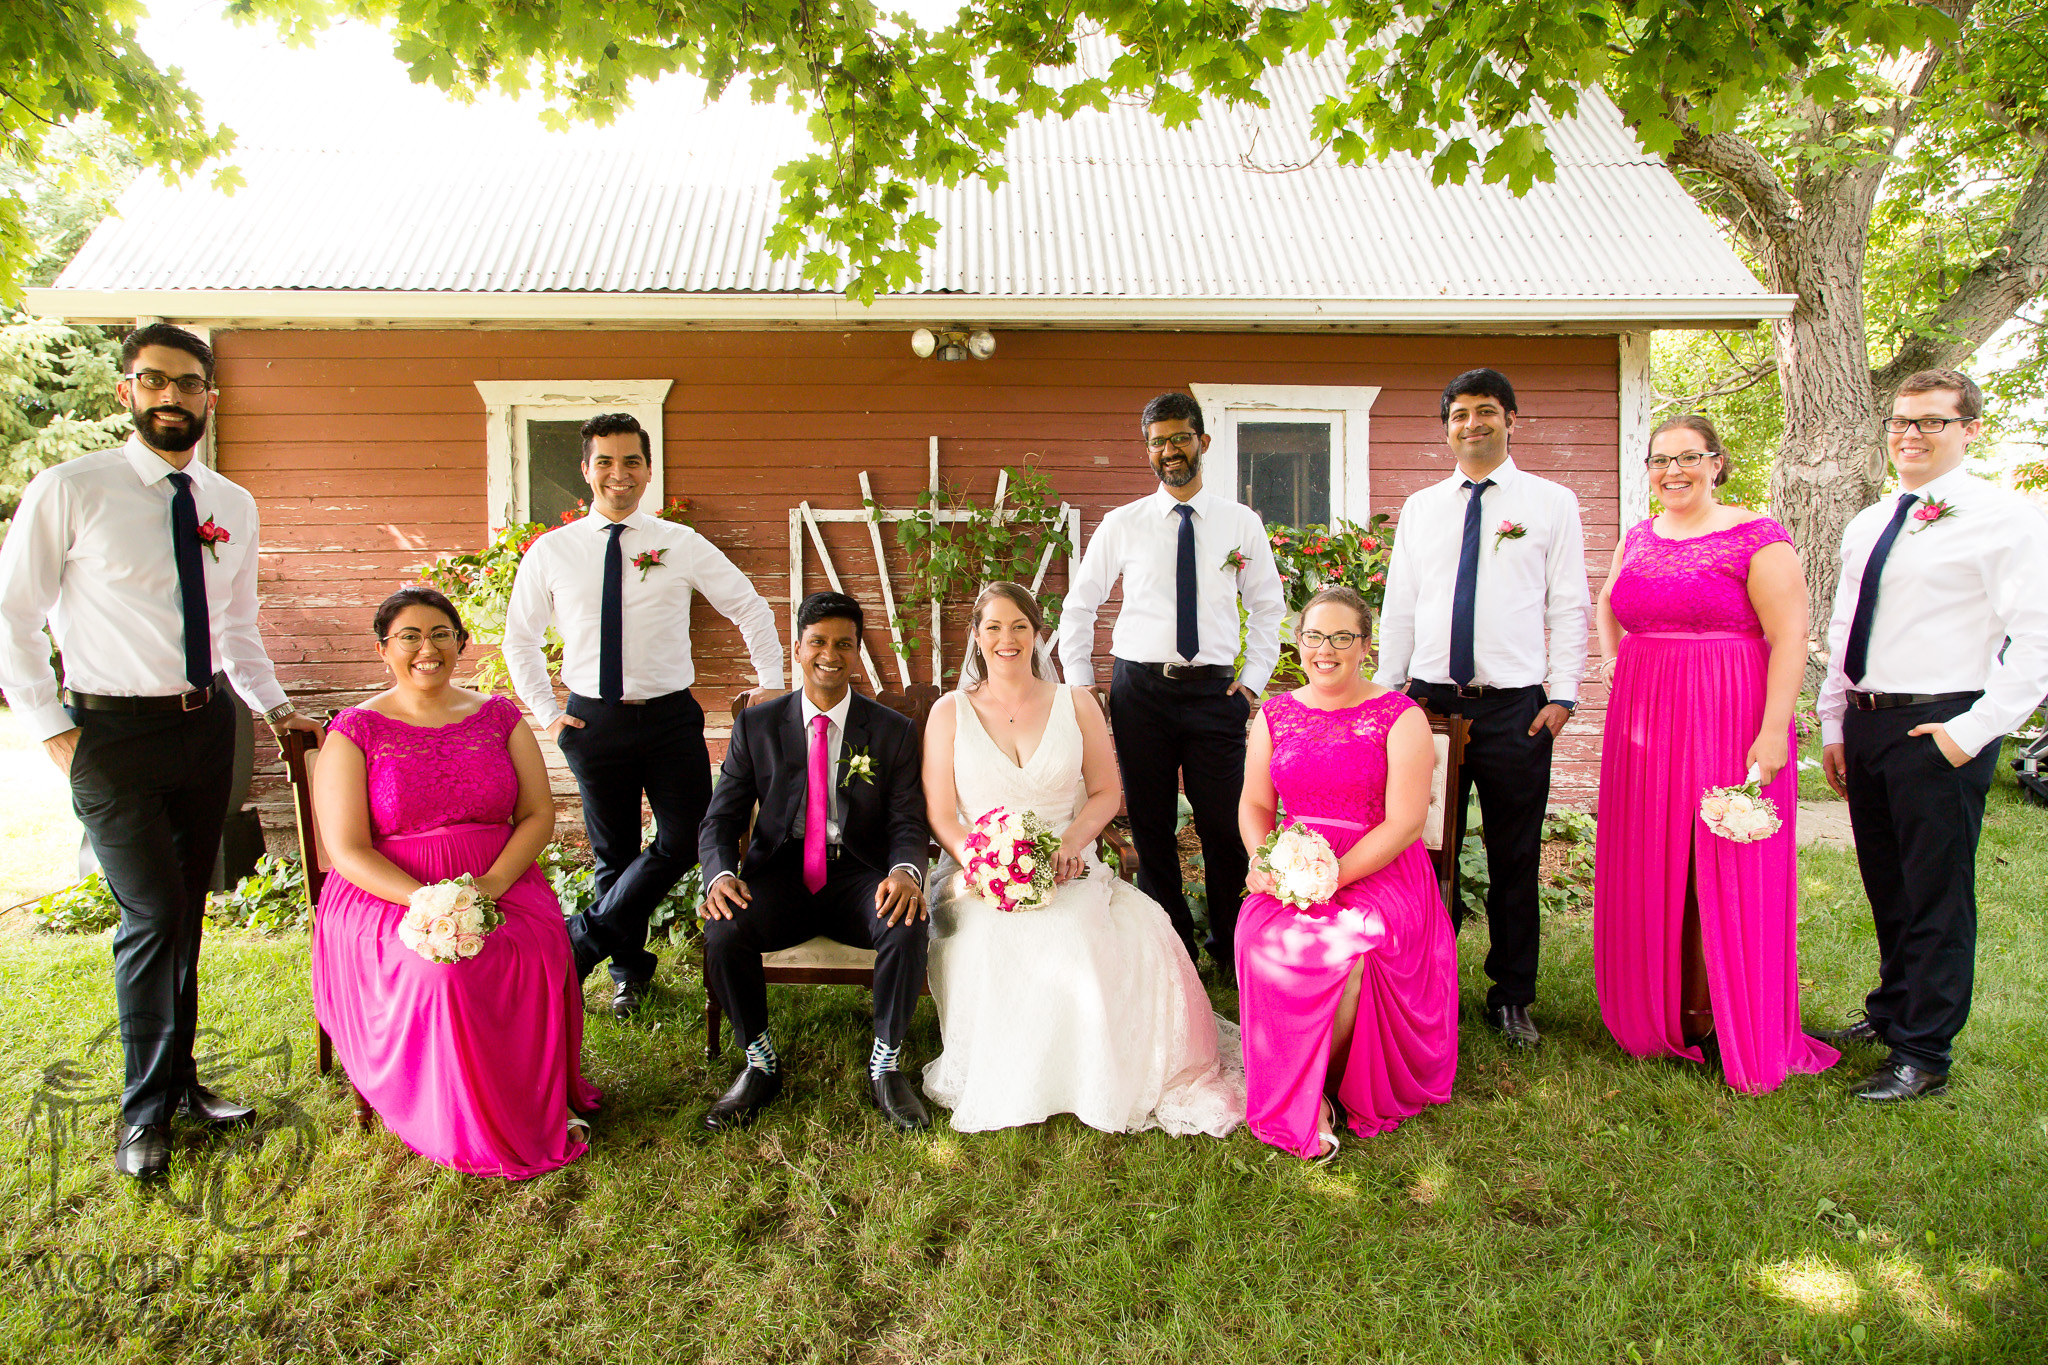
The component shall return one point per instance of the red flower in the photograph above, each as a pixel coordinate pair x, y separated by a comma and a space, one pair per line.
1369, 544
213, 535
1927, 513
1379, 578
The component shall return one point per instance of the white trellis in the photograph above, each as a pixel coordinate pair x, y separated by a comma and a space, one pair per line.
805, 522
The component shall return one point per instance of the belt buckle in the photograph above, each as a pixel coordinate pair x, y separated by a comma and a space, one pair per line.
203, 695
1469, 691
1172, 672
1863, 701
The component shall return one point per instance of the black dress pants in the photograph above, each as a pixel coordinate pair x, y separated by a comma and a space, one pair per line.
152, 793
1917, 818
1188, 733
623, 750
782, 913
1511, 769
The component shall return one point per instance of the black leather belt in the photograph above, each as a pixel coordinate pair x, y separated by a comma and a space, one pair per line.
1178, 672
1879, 701
1470, 690
195, 700
633, 701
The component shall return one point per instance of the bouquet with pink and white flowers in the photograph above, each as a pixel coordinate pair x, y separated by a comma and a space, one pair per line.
1010, 859
1743, 814
447, 921
1301, 865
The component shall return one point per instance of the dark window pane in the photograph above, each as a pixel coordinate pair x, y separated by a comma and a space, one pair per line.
554, 477
1284, 470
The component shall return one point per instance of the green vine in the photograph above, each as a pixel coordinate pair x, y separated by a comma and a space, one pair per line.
1313, 557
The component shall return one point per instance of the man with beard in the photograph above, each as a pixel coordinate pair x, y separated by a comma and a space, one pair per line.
143, 562
1178, 705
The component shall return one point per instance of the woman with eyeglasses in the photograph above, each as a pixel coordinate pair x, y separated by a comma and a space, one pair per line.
1703, 643
475, 1064
1349, 1008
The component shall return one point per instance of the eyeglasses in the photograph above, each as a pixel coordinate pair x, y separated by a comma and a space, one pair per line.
156, 381
440, 638
1315, 639
1927, 426
1685, 459
1180, 440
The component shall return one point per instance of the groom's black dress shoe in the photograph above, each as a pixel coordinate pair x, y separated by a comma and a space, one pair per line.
1512, 1022
1859, 1032
1898, 1081
143, 1151
629, 997
750, 1094
894, 1095
203, 1105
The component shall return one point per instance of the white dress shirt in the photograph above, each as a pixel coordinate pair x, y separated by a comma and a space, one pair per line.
1141, 542
1953, 592
561, 579
1525, 584
90, 552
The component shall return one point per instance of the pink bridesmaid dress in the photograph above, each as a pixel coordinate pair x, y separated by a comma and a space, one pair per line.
1330, 769
1688, 699
473, 1064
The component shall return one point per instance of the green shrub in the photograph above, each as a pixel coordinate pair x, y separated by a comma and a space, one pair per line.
570, 873
270, 900
87, 908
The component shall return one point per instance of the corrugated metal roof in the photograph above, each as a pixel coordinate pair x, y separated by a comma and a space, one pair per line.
1106, 205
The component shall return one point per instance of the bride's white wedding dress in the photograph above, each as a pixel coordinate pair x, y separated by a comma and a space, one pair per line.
1088, 1006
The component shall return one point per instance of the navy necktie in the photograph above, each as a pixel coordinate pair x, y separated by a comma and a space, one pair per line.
1187, 635
1857, 653
186, 551
611, 620
1465, 595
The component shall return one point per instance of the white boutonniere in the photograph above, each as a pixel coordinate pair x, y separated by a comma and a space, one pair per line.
859, 763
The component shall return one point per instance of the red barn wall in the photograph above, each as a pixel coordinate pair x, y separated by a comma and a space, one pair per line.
366, 448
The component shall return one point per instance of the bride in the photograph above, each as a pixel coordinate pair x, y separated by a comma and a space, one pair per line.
1089, 1005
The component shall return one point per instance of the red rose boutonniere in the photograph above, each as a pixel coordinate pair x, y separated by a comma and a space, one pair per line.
1927, 513
1234, 562
1508, 530
648, 559
213, 535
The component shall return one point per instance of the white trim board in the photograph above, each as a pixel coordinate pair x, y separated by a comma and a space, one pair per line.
507, 404
1350, 407
1638, 412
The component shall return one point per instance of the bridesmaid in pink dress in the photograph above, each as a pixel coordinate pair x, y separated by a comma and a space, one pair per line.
1703, 629
474, 1064
1359, 995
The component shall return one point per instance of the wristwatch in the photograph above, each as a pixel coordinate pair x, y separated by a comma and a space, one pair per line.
1569, 706
279, 714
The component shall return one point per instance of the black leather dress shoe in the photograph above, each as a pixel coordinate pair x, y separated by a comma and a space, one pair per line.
896, 1097
143, 1152
749, 1095
200, 1104
1898, 1081
1859, 1032
629, 997
1512, 1022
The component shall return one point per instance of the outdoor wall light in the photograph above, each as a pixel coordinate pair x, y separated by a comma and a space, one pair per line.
953, 343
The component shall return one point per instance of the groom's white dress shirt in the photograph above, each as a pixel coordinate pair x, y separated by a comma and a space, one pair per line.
1141, 542
90, 551
561, 578
1962, 606
1524, 585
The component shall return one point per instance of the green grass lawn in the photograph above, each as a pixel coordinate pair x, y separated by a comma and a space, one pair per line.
1573, 1206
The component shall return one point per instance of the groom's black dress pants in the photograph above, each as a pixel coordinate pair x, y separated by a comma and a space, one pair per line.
624, 749
1174, 733
1511, 770
782, 913
1917, 818
152, 793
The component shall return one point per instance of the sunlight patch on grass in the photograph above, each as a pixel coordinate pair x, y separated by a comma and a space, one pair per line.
944, 1153
1431, 1183
1814, 1285
1906, 1282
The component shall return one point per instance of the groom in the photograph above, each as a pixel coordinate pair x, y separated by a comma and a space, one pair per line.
839, 849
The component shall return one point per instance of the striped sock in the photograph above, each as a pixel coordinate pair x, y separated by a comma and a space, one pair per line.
761, 1055
883, 1058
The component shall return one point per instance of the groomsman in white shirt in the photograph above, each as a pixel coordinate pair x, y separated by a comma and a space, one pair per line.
1178, 704
143, 562
1484, 562
1924, 679
617, 585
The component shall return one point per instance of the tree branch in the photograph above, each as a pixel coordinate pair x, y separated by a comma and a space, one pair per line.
1735, 162
2014, 272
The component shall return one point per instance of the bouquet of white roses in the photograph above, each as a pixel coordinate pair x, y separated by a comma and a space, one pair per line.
1741, 815
446, 921
1301, 864
1010, 859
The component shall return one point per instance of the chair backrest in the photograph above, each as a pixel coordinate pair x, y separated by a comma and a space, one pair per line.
301, 751
1443, 827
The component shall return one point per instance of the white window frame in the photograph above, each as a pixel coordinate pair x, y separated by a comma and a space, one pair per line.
1223, 405
511, 403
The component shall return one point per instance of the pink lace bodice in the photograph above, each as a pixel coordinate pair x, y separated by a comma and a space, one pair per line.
1700, 584
1333, 763
425, 777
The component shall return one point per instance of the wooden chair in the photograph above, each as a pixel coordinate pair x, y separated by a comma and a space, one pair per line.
1443, 829
828, 962
301, 752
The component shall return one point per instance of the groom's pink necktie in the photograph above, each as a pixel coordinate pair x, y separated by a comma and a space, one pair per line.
817, 798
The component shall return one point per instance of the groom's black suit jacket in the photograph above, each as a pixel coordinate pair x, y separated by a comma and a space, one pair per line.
883, 820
